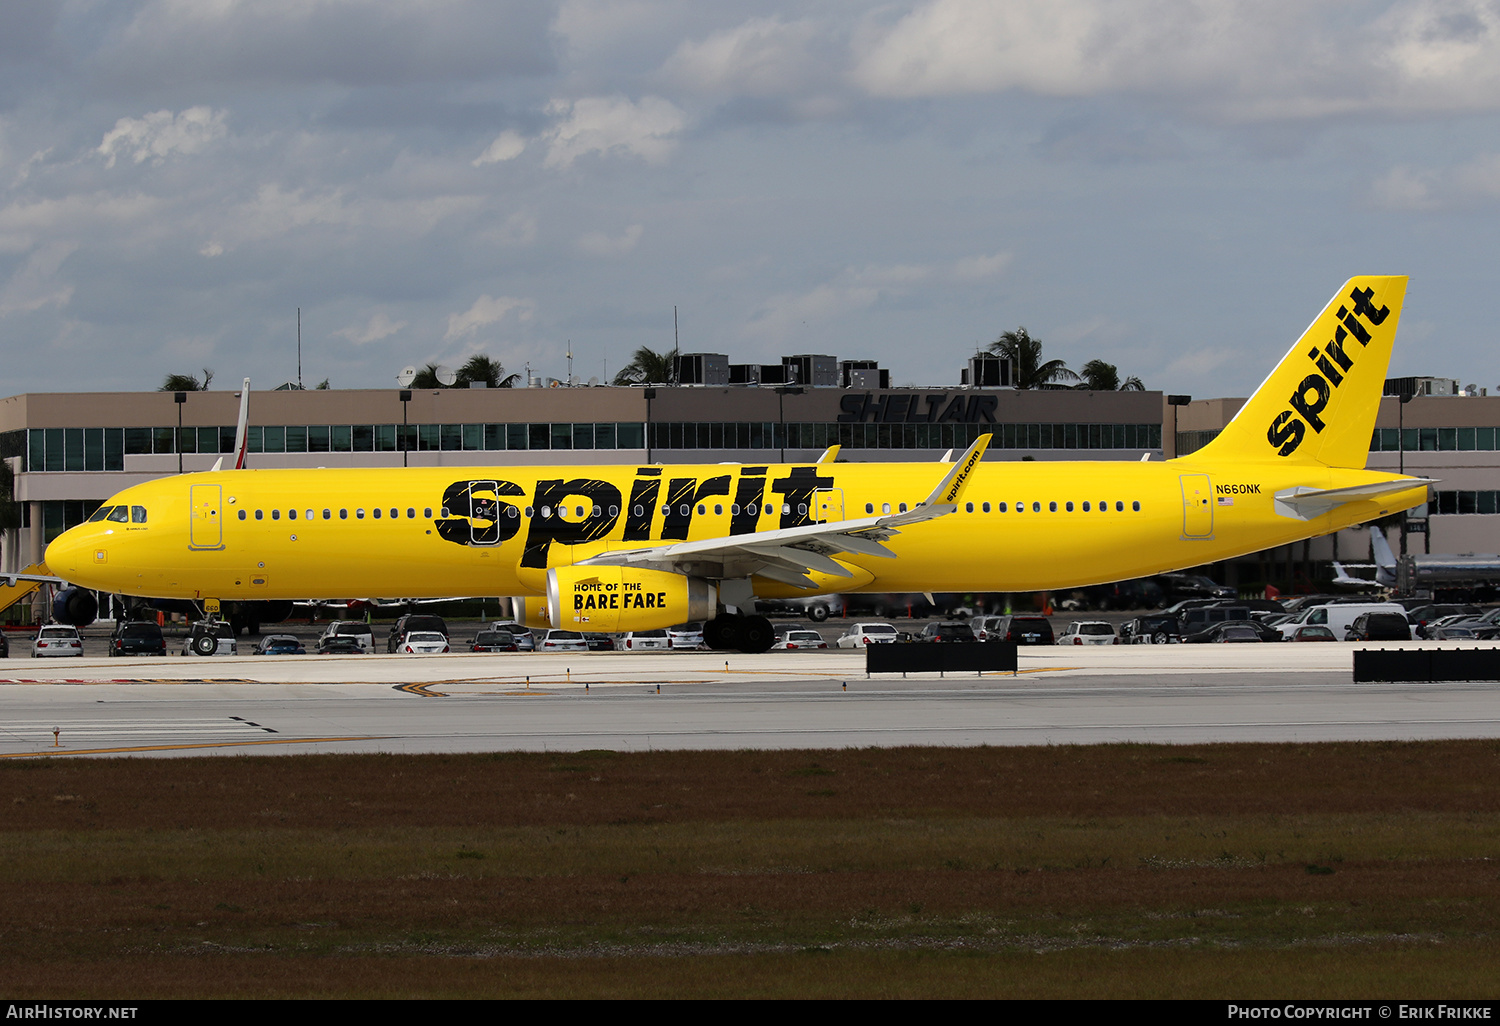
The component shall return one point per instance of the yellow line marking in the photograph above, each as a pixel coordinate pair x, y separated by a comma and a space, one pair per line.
183, 747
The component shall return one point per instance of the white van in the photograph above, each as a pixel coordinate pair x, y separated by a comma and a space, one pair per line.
1336, 616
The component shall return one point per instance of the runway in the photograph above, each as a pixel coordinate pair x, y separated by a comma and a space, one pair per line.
469, 703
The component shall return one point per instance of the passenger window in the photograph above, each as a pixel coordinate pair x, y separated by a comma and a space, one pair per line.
1070, 507
786, 508
327, 515
578, 512
242, 514
137, 514
411, 514
275, 514
666, 511
1052, 507
509, 510
869, 507
427, 512
986, 507
359, 514
1036, 507
885, 507
1085, 507
1136, 506
968, 507
1119, 507
343, 514
614, 511
260, 514
311, 515
395, 514
639, 511
598, 512
291, 514
1002, 507
754, 511
902, 507
528, 511
735, 509
702, 509
546, 512
375, 512
718, 510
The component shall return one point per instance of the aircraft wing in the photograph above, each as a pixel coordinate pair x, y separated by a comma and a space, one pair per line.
789, 554
1303, 503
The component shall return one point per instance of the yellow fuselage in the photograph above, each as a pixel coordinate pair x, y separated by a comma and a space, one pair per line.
314, 534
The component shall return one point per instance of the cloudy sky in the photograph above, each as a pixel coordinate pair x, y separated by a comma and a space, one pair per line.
1175, 186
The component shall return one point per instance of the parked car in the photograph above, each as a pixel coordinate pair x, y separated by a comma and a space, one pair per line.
645, 641
1151, 630
555, 639
525, 640
408, 622
599, 642
687, 635
279, 644
1023, 629
1379, 627
340, 644
1233, 633
946, 631
423, 643
57, 640
861, 634
356, 629
1088, 632
210, 638
1216, 633
799, 640
1339, 616
494, 640
4, 646
1312, 632
137, 637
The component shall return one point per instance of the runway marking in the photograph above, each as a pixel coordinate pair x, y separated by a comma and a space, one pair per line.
184, 747
421, 690
128, 680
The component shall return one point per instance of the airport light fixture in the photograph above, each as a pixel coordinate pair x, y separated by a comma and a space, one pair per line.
650, 394
405, 396
179, 398
1175, 401
782, 391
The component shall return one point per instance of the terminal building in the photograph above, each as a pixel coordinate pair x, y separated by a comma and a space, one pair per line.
67, 453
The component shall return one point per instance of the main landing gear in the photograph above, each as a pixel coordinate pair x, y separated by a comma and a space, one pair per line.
732, 631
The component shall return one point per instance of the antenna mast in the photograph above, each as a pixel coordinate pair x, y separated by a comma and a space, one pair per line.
299, 347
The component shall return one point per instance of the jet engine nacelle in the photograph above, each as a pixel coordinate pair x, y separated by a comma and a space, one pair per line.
530, 610
617, 598
76, 606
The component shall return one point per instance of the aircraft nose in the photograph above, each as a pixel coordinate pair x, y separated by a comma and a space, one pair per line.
73, 551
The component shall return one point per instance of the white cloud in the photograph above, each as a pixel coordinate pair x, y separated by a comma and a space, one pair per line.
161, 133
613, 124
760, 57
380, 326
1412, 188
602, 245
507, 146
486, 310
36, 283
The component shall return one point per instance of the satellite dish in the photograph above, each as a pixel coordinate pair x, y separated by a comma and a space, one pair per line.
407, 376
593, 382
445, 375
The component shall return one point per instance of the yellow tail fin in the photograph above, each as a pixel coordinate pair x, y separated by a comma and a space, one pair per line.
1319, 404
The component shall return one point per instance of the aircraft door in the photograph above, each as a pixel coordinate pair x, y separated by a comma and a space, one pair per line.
484, 511
828, 505
204, 528
1197, 506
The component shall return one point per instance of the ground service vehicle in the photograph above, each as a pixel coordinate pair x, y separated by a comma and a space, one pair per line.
621, 548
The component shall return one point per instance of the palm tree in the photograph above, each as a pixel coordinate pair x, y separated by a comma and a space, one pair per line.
1098, 376
482, 368
649, 368
1025, 354
427, 377
186, 382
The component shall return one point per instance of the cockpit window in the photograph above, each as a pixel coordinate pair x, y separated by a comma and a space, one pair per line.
137, 514
100, 514
121, 515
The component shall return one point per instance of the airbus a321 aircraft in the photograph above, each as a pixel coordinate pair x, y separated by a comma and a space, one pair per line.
620, 548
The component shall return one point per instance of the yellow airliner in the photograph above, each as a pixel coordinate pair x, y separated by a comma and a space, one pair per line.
618, 548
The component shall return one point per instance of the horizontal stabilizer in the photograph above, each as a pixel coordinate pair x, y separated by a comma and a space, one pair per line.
1302, 503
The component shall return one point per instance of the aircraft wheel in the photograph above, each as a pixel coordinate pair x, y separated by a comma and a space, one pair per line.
818, 613
722, 632
756, 634
205, 644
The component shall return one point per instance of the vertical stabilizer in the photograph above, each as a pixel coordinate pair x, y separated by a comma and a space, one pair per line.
1319, 404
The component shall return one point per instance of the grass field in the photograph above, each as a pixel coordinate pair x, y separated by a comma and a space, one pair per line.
1331, 870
